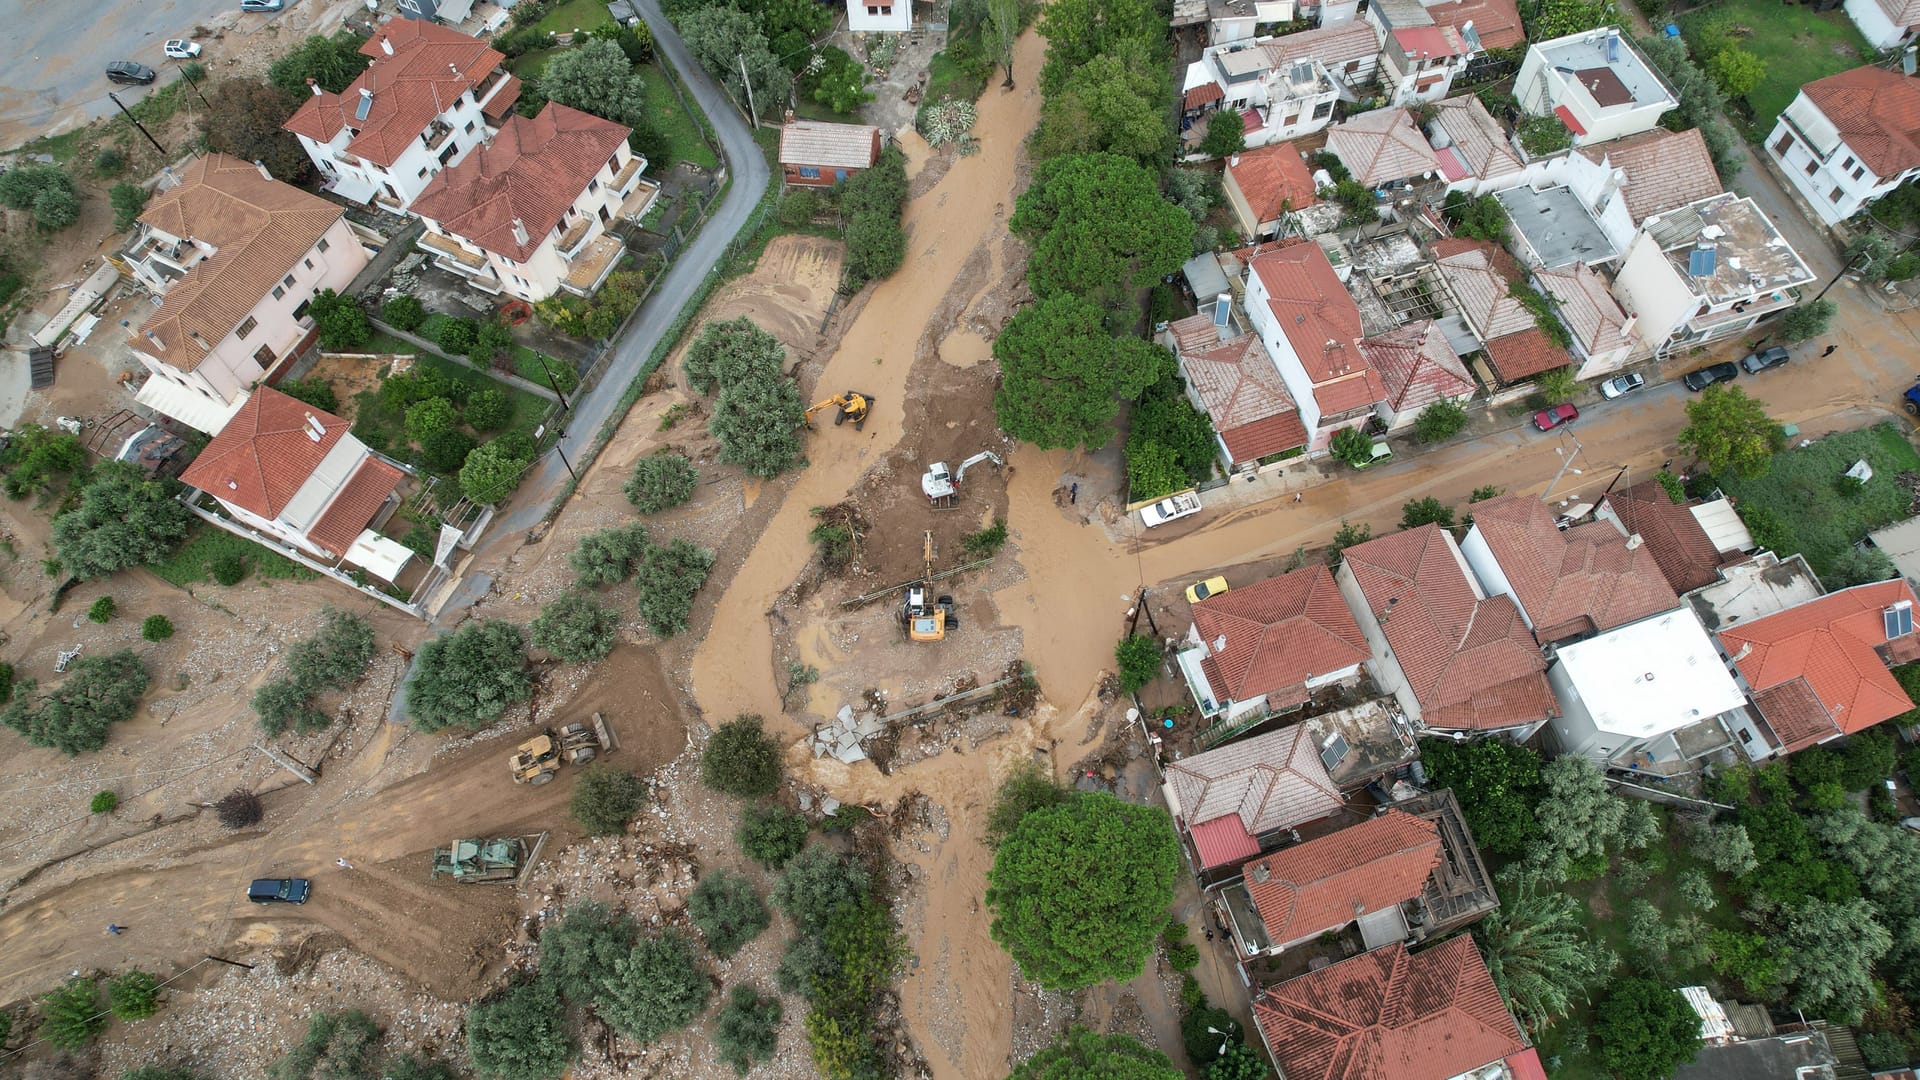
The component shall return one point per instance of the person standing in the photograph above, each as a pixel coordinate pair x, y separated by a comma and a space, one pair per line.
1831, 349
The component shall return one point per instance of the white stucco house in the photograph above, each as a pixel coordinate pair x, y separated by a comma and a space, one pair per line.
1628, 696
1276, 101
236, 257
1706, 271
1885, 23
1626, 181
1849, 139
1596, 82
429, 97
879, 16
1310, 326
528, 214
1419, 58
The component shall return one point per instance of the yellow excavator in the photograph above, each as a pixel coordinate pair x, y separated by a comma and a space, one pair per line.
852, 405
928, 621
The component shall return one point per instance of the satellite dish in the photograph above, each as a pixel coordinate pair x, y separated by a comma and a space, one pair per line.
1133, 714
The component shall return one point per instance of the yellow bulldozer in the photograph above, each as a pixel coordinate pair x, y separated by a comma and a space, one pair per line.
852, 405
537, 760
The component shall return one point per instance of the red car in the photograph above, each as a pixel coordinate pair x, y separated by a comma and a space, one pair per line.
1550, 418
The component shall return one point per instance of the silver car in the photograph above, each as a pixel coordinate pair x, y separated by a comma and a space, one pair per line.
1622, 385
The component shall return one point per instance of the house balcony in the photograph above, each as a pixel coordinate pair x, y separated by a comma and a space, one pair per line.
454, 255
494, 78
345, 158
388, 202
638, 201
591, 267
1763, 305
436, 136
623, 180
569, 243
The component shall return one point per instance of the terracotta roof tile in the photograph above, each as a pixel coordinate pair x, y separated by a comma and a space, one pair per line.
1272, 781
1877, 113
1478, 138
1223, 840
1201, 95
1596, 319
1277, 633
1792, 710
836, 146
1901, 13
534, 171
1470, 662
1240, 389
1335, 46
1331, 880
1497, 22
259, 230
1319, 319
1478, 274
354, 505
1524, 354
1831, 643
1382, 147
1583, 580
1270, 177
1418, 366
1681, 548
1390, 1015
431, 66
1664, 169
263, 455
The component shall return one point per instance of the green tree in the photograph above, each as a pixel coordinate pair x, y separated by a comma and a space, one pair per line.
1079, 891
1427, 511
1003, 26
1238, 1062
156, 628
315, 392
1497, 783
1539, 952
429, 418
660, 482
667, 579
1226, 134
817, 883
1139, 660
133, 995
127, 201
1577, 816
609, 556
1807, 321
1829, 952
1153, 469
876, 246
656, 988
492, 471
520, 1035
244, 121
1481, 218
446, 453
71, 1016
1084, 1055
575, 628
1702, 104
635, 42
596, 77
73, 718
725, 41
770, 835
727, 911
1028, 786
1348, 535
337, 1046
404, 312
333, 62
1548, 19
1440, 421
578, 952
1644, 1031
605, 798
469, 677
728, 351
741, 759
413, 1067
1731, 432
757, 421
838, 81
1077, 31
1115, 104
1351, 445
46, 190
1063, 375
1163, 416
1098, 227
343, 325
748, 1028
1736, 70
125, 518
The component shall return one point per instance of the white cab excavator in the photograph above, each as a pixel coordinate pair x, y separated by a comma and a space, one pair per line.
940, 485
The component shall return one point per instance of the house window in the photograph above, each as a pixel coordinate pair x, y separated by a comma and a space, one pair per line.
309, 263
1323, 110
245, 328
809, 172
301, 311
1859, 171
322, 246
278, 292
1847, 164
264, 357
1745, 735
469, 127
613, 163
1834, 195
593, 185
1813, 166
423, 172
287, 281
1785, 143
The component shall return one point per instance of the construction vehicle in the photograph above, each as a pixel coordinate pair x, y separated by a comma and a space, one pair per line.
539, 758
940, 485
928, 621
853, 406
478, 862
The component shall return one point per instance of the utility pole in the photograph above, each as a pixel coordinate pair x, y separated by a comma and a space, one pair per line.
223, 960
1836, 278
196, 88
753, 113
288, 763
156, 142
542, 357
1566, 462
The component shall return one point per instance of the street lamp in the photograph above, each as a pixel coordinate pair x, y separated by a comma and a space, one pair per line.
1566, 463
1225, 1038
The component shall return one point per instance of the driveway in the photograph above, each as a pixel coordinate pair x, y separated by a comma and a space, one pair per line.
54, 53
591, 410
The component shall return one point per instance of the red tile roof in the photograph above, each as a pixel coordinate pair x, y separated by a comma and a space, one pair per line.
1479, 276
1382, 147
1335, 46
431, 66
1277, 634
1272, 781
1270, 177
1319, 319
1497, 22
1470, 662
1418, 366
1681, 548
259, 230
1583, 580
1223, 840
1331, 880
1201, 95
1794, 712
1832, 643
1525, 1065
1525, 354
263, 455
1664, 169
1239, 387
533, 173
354, 505
1390, 1015
1877, 113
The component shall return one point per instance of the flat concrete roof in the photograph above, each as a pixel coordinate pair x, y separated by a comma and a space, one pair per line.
1556, 225
1651, 677
1750, 590
1778, 1058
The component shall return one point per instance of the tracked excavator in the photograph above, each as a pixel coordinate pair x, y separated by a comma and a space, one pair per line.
928, 620
939, 485
852, 405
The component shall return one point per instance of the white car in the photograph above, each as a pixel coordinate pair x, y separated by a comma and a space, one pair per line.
1177, 506
1622, 385
181, 49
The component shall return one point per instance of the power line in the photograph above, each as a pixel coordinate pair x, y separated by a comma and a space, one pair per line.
104, 1013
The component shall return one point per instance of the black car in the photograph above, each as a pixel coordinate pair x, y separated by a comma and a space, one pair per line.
1764, 359
1707, 376
126, 71
286, 890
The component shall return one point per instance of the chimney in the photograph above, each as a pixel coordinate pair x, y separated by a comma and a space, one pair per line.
1745, 648
197, 339
787, 117
262, 166
314, 85
386, 44
1261, 872
1634, 542
1233, 162
232, 486
519, 232
453, 67
155, 338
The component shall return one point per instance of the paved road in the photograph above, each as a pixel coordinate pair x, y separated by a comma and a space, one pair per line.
700, 258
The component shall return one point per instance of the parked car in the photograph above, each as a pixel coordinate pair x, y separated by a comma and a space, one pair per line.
1200, 590
1712, 373
1554, 416
284, 890
181, 49
1764, 359
1380, 452
1177, 506
1622, 385
260, 5
130, 73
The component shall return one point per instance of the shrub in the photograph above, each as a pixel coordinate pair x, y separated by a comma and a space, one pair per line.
656, 988
1439, 421
659, 482
1348, 535
668, 577
403, 313
338, 1046
469, 677
797, 208
487, 410
446, 451
1806, 321
315, 392
520, 1035
239, 808
986, 542
575, 628
741, 759
429, 418
727, 911
1226, 134
103, 610
609, 556
817, 884
124, 518
343, 325
107, 161
99, 692
770, 834
605, 798
127, 201
578, 952
748, 1028
1183, 956
455, 336
1352, 446
134, 995
228, 568
490, 339
834, 542
71, 1014
104, 802
1139, 660
1417, 512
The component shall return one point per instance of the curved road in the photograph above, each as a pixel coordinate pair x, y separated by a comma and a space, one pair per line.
748, 168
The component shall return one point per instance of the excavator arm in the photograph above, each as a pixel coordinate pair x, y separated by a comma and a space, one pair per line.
852, 405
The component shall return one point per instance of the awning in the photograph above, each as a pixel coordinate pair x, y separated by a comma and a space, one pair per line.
1566, 117
197, 411
1723, 526
1223, 840
1202, 95
379, 556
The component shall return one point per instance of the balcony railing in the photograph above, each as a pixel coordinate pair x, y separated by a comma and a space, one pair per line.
626, 174
452, 249
436, 139
576, 234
